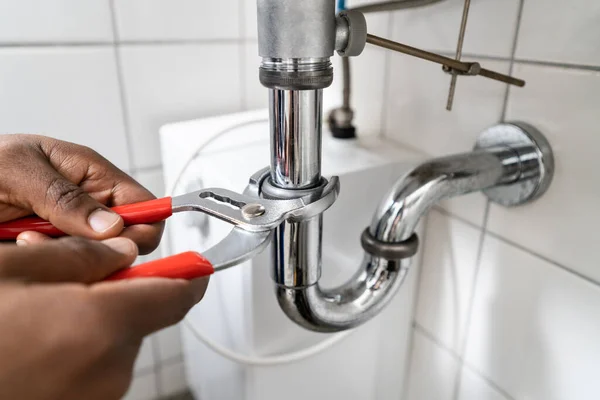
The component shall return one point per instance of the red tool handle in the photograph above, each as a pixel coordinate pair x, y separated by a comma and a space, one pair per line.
147, 212
190, 265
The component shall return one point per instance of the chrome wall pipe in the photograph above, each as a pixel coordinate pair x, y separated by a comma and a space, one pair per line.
512, 164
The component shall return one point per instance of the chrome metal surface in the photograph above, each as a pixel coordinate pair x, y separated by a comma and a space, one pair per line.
296, 124
537, 162
496, 163
417, 191
296, 64
250, 211
347, 91
351, 33
350, 305
296, 120
238, 246
342, 33
296, 253
296, 29
228, 206
295, 74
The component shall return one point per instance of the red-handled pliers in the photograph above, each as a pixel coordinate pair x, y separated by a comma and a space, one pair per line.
253, 218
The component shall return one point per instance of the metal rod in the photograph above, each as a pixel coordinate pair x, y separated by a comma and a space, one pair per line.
413, 51
459, 48
347, 83
393, 5
500, 77
373, 8
460, 66
463, 28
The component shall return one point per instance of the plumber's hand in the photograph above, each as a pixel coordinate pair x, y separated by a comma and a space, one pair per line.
72, 187
63, 337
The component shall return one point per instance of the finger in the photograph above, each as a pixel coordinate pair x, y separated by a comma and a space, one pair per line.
30, 237
69, 208
145, 306
107, 184
147, 237
67, 260
36, 183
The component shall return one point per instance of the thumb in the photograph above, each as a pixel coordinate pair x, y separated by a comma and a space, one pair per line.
67, 260
72, 210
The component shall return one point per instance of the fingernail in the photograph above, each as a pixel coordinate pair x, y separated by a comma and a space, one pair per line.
22, 242
102, 220
121, 245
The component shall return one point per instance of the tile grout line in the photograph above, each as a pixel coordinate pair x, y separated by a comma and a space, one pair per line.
462, 364
544, 258
457, 217
513, 53
174, 42
467, 325
140, 42
129, 143
143, 372
552, 64
121, 83
387, 70
242, 55
518, 246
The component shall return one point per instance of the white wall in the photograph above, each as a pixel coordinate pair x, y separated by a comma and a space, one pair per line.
509, 298
506, 303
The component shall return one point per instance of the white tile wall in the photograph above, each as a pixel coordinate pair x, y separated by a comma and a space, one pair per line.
256, 96
48, 21
447, 273
174, 83
534, 328
490, 28
367, 94
68, 93
417, 106
177, 19
563, 104
433, 371
560, 31
142, 388
530, 318
473, 387
436, 374
172, 379
169, 343
417, 115
145, 360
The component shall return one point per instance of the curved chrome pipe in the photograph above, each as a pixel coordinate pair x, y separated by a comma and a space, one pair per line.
349, 305
378, 279
414, 194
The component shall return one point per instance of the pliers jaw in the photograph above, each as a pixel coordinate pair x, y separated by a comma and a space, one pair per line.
252, 233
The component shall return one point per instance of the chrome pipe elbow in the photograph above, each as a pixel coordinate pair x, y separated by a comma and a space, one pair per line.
512, 164
350, 305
